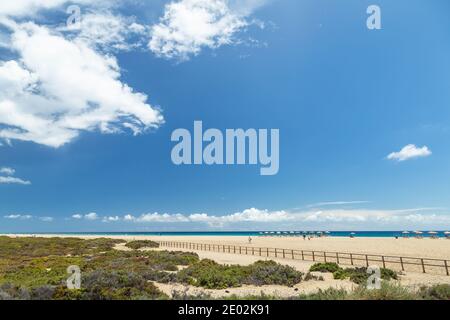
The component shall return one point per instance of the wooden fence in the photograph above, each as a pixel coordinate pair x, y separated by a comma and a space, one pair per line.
425, 265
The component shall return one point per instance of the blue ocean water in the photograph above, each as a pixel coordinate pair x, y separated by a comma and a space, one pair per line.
373, 234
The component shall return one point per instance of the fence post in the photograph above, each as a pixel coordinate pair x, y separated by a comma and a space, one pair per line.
260, 252
267, 252
446, 267
367, 261
292, 252
303, 256
401, 263
275, 252
423, 266
314, 258
337, 258
253, 251
284, 254
384, 262
325, 257
351, 258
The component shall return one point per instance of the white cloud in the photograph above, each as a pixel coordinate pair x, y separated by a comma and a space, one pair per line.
46, 219
111, 219
266, 216
18, 217
109, 32
60, 88
190, 25
409, 152
21, 8
157, 217
7, 171
13, 180
9, 179
91, 216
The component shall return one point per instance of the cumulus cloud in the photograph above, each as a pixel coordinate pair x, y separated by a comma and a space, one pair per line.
109, 32
60, 88
157, 217
410, 152
7, 171
27, 8
90, 216
18, 217
6, 177
261, 217
46, 219
187, 26
111, 219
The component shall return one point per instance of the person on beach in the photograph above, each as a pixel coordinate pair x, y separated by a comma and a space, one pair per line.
250, 240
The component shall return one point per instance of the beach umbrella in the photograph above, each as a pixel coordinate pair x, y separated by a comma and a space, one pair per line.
405, 232
418, 232
432, 232
447, 232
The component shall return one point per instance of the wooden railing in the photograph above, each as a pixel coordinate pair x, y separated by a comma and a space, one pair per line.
425, 265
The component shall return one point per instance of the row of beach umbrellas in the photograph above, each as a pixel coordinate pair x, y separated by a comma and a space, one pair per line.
418, 233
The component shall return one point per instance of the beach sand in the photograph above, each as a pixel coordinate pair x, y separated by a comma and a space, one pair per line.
426, 248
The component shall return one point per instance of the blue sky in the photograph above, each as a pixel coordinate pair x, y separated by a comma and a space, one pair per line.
363, 114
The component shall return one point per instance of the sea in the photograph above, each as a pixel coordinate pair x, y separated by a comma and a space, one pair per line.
365, 234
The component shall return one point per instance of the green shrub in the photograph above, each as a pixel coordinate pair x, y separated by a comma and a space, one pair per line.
211, 275
340, 274
139, 244
436, 292
270, 272
359, 275
325, 267
328, 294
309, 276
388, 274
386, 292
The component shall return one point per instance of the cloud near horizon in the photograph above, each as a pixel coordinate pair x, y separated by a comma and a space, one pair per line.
266, 218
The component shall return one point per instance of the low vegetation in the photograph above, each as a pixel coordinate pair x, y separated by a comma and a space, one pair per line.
36, 269
139, 244
358, 275
211, 275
